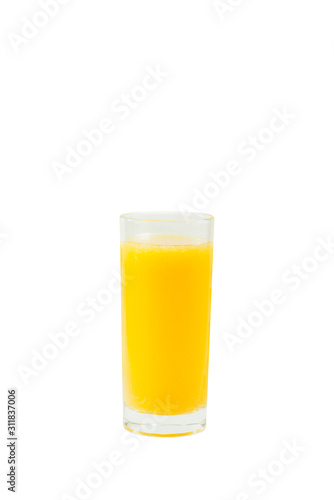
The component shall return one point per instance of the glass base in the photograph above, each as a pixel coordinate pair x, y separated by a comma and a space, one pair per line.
164, 425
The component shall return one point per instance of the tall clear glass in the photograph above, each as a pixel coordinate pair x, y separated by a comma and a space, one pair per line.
166, 267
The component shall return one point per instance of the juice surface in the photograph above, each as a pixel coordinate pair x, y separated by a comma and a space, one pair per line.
166, 296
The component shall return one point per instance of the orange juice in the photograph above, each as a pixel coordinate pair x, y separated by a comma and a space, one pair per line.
166, 295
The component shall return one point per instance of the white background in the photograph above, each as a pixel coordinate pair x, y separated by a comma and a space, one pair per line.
59, 241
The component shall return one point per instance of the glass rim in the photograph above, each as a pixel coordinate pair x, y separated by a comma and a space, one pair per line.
166, 216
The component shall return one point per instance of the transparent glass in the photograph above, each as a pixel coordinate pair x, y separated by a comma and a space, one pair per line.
166, 267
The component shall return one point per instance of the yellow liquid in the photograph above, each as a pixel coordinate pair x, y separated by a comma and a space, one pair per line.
166, 298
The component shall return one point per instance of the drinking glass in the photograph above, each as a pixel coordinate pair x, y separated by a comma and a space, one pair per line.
166, 269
